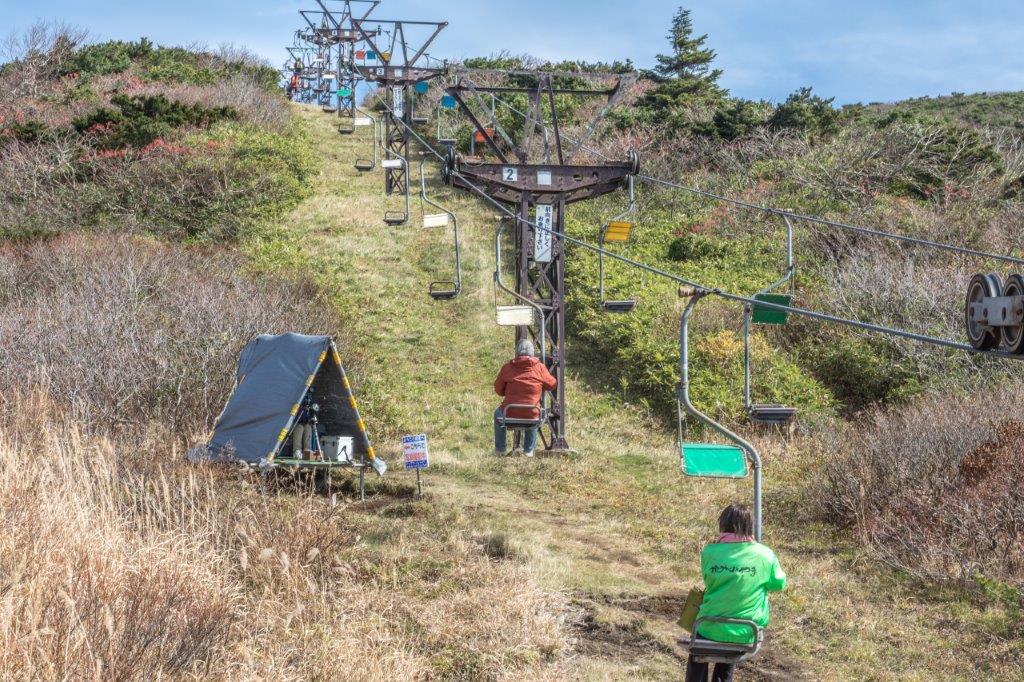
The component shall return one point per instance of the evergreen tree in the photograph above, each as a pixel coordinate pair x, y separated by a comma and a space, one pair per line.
690, 59
686, 81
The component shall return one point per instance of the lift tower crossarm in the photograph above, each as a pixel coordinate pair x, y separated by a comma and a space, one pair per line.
399, 78
399, 30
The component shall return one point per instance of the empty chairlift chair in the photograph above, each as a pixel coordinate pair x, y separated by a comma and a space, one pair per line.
446, 134
367, 165
421, 88
767, 414
444, 290
764, 414
394, 218
617, 231
731, 460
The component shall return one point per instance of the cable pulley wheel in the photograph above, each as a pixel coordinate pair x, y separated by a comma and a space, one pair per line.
982, 286
448, 167
1013, 335
633, 156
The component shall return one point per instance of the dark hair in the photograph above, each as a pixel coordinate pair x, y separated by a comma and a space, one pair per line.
737, 519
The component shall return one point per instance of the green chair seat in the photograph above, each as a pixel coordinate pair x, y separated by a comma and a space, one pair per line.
711, 460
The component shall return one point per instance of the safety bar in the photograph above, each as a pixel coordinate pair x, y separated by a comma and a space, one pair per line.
457, 289
725, 652
519, 422
753, 456
630, 209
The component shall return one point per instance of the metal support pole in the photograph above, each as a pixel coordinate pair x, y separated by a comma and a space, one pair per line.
396, 142
419, 484
748, 311
753, 456
544, 284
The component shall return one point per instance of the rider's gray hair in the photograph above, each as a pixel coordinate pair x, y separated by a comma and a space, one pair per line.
525, 347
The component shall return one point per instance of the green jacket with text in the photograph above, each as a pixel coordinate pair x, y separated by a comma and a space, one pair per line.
737, 580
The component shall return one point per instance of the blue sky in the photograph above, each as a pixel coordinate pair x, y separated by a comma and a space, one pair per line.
854, 50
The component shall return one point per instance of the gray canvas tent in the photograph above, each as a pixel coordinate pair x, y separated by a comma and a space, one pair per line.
274, 375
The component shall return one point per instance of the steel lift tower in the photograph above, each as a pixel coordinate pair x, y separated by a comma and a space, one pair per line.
336, 27
401, 70
536, 174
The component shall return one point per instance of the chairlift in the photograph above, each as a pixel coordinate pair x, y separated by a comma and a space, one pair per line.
416, 119
446, 137
764, 414
708, 651
618, 230
711, 460
488, 132
367, 165
442, 290
525, 314
520, 423
394, 218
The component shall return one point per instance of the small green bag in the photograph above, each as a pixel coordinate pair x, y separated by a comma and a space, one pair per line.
690, 609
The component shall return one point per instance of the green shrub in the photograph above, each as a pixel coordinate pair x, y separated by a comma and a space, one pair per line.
858, 370
163, 64
806, 112
102, 59
139, 121
693, 247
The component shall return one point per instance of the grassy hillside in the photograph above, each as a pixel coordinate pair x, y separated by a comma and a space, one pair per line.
160, 207
614, 529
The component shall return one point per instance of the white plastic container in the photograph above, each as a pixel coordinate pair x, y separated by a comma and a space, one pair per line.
338, 448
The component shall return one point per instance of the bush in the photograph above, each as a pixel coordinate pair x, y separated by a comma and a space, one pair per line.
127, 331
211, 186
140, 121
694, 247
806, 112
932, 487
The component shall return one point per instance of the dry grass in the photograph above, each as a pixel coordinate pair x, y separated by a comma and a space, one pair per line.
111, 569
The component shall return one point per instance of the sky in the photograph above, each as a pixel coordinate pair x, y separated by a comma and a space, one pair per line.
853, 50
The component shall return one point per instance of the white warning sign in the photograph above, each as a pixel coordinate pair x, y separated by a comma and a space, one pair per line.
542, 233
399, 101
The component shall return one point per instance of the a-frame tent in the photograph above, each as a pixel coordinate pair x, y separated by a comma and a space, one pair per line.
274, 375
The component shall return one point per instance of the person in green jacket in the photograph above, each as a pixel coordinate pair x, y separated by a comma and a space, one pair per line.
738, 575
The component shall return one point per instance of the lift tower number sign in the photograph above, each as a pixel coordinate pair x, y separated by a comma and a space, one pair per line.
542, 233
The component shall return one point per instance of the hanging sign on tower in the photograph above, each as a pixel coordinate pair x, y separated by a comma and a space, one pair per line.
399, 101
542, 233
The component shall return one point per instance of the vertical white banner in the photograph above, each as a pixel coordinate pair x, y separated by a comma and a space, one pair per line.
542, 233
399, 101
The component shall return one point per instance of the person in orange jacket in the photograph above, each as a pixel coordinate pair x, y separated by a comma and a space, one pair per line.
521, 382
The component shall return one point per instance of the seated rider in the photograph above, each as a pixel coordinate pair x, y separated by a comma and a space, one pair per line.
739, 572
521, 382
